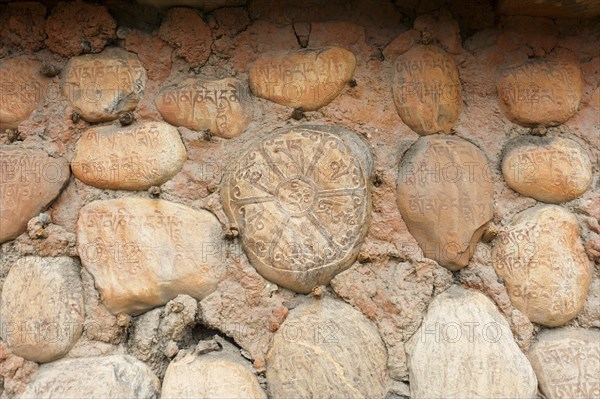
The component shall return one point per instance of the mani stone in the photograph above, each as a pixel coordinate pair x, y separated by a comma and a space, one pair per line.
301, 198
543, 263
567, 363
221, 106
23, 87
132, 158
549, 169
42, 307
465, 349
445, 196
307, 79
540, 92
427, 90
29, 180
143, 252
327, 349
107, 377
101, 86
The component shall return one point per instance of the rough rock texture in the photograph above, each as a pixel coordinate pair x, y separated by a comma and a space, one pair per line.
109, 377
29, 180
132, 158
549, 169
41, 312
427, 90
101, 86
327, 349
567, 362
551, 8
307, 79
543, 263
142, 252
15, 372
78, 27
301, 199
445, 194
221, 106
442, 27
464, 349
154, 54
188, 34
206, 5
22, 25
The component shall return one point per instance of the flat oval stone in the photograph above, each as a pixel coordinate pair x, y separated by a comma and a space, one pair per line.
327, 349
132, 158
427, 90
445, 196
567, 363
465, 349
540, 92
543, 263
29, 181
42, 307
301, 199
107, 377
549, 169
307, 79
221, 106
101, 86
143, 252
23, 87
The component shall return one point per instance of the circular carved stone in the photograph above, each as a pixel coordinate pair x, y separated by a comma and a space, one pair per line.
301, 199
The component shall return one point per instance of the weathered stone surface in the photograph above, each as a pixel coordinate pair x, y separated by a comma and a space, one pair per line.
188, 34
567, 363
132, 158
301, 199
143, 252
23, 87
540, 92
445, 195
307, 79
41, 313
541, 258
22, 25
221, 106
427, 90
101, 86
549, 169
29, 181
551, 8
327, 349
464, 349
109, 377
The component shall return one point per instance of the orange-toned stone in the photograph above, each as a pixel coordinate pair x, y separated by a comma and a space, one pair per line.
22, 25
188, 34
401, 44
307, 79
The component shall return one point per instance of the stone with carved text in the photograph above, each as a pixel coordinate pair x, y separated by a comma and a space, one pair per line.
220, 106
301, 199
427, 90
29, 181
41, 313
465, 349
102, 86
307, 79
143, 252
445, 195
132, 158
543, 263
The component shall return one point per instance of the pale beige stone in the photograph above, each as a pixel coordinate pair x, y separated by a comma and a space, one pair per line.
29, 180
567, 363
41, 314
307, 79
543, 263
132, 158
327, 349
101, 86
465, 349
143, 253
445, 196
221, 106
549, 169
301, 199
427, 90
